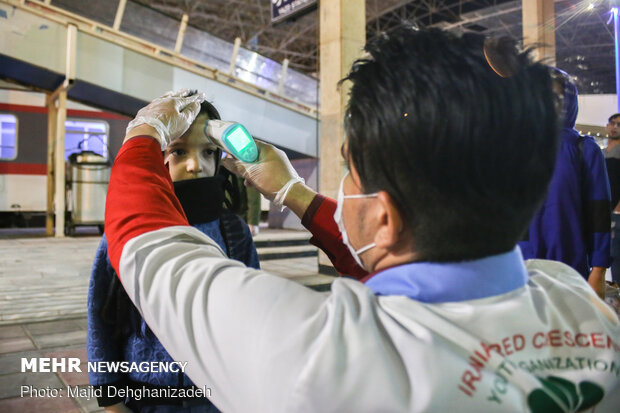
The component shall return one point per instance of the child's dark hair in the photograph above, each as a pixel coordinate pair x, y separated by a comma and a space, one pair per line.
232, 200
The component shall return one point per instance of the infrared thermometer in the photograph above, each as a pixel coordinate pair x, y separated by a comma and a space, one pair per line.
232, 137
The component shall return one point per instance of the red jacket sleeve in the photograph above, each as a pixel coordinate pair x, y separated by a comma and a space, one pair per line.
140, 196
319, 220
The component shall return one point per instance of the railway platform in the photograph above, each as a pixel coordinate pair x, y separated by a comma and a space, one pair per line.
43, 288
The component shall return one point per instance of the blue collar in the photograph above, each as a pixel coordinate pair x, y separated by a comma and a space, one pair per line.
456, 281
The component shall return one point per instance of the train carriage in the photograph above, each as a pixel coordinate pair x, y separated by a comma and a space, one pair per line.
23, 151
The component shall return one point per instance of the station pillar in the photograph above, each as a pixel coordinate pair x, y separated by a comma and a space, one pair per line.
59, 165
539, 29
51, 142
342, 38
56, 202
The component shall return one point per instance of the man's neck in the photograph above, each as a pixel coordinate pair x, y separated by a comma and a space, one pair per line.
389, 261
612, 142
397, 255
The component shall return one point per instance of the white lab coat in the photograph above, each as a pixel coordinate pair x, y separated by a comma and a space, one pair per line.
262, 343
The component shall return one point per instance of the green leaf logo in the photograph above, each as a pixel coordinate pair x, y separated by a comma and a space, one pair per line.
559, 395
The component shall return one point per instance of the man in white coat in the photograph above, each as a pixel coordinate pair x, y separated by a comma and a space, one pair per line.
450, 147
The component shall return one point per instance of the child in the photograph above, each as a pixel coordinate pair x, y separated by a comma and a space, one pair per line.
116, 331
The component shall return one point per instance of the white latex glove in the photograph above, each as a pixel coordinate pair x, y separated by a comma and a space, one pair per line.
171, 115
271, 174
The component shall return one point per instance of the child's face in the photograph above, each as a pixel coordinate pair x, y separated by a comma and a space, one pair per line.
192, 155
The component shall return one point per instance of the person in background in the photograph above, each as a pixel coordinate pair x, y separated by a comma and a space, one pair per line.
116, 331
252, 217
249, 203
573, 224
449, 148
612, 157
612, 160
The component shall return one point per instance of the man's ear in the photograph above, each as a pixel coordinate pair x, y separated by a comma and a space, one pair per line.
390, 222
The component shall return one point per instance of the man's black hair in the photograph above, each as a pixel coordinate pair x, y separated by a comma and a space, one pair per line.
612, 117
465, 153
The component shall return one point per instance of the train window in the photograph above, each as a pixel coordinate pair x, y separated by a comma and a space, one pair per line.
86, 135
8, 136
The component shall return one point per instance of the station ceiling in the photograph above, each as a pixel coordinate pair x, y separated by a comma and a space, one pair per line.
584, 36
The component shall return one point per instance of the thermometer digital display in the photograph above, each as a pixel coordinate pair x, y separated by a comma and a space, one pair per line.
233, 138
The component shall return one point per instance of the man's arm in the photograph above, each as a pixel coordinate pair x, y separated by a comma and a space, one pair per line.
318, 218
613, 172
132, 208
596, 279
269, 174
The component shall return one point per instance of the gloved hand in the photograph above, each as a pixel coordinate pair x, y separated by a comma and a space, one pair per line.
171, 115
271, 174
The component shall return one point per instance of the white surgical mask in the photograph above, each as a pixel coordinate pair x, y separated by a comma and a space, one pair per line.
338, 218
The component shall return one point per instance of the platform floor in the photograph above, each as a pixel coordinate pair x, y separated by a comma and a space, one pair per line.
43, 287
47, 278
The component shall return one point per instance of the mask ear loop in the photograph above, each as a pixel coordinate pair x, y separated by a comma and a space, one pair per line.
218, 160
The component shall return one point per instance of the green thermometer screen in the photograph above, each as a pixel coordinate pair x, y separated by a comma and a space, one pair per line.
238, 139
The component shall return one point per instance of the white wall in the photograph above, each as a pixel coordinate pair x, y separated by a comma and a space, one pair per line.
596, 109
19, 97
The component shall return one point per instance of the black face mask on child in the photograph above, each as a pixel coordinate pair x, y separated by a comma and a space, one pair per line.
201, 198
